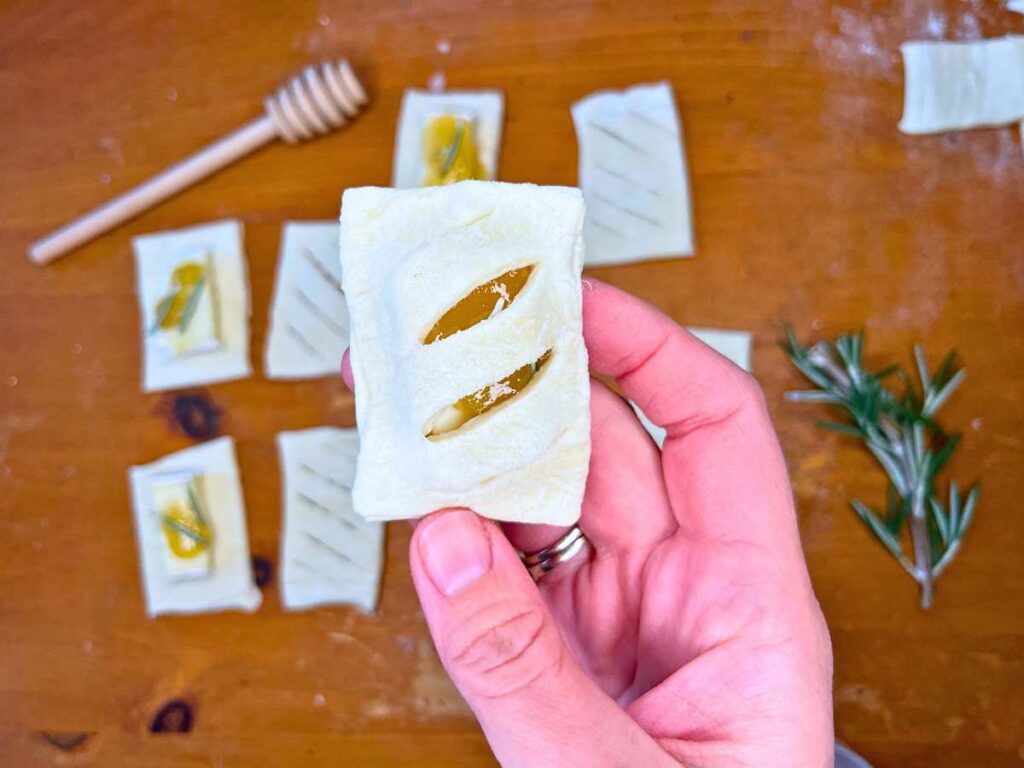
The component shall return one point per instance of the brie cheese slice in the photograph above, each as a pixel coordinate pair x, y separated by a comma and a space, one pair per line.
460, 402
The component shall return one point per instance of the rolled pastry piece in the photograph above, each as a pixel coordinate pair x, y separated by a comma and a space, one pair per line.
467, 350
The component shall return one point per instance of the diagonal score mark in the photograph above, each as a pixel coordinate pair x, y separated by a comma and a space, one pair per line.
325, 477
321, 270
628, 180
650, 121
310, 501
318, 312
303, 341
629, 211
619, 138
601, 225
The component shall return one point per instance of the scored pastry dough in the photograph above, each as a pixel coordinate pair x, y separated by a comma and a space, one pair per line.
225, 582
215, 345
482, 111
410, 257
329, 555
955, 85
309, 316
632, 170
734, 345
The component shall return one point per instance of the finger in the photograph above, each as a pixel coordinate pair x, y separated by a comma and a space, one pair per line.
501, 647
723, 468
625, 505
346, 371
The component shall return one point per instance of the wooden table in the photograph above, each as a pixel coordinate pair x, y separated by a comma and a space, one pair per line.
810, 208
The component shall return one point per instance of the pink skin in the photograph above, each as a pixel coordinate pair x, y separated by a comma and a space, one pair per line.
689, 633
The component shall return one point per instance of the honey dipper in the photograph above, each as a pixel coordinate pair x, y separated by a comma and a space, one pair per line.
313, 103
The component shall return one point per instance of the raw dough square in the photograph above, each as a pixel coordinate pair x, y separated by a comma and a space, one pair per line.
632, 170
156, 256
954, 85
734, 345
229, 585
309, 316
485, 109
329, 555
408, 256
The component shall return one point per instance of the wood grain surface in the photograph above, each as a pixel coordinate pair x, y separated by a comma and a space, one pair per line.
810, 208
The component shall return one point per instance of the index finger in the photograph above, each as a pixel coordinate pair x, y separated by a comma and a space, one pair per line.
723, 468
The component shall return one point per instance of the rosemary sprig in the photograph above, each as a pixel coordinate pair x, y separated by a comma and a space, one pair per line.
163, 309
453, 148
900, 432
190, 307
187, 531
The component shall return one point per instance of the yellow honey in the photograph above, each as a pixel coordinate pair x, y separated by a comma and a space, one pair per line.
186, 532
479, 304
449, 152
186, 281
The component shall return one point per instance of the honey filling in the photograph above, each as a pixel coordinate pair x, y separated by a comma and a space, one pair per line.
482, 302
450, 152
185, 528
453, 416
176, 308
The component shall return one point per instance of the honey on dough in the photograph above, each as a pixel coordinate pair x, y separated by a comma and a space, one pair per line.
185, 529
449, 152
186, 282
481, 303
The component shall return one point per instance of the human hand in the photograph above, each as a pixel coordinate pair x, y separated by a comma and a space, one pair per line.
689, 633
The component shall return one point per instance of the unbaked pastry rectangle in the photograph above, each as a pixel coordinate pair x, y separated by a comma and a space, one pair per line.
308, 317
229, 584
329, 555
408, 256
484, 109
156, 256
632, 170
955, 85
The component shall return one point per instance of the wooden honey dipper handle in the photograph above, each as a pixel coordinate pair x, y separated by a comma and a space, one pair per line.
313, 103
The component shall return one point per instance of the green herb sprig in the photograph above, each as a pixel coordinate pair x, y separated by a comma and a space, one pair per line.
901, 433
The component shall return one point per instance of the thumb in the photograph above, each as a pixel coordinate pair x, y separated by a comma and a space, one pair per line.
502, 649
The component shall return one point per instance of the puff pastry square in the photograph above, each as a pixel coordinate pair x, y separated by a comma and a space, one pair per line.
308, 317
410, 256
227, 583
632, 170
224, 304
329, 555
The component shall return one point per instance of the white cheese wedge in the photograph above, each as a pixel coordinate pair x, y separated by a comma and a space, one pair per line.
632, 170
329, 555
956, 85
408, 257
308, 317
215, 345
229, 583
735, 345
484, 110
174, 491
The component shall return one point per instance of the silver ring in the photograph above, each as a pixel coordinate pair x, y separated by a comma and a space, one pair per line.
566, 548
